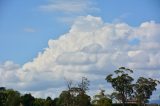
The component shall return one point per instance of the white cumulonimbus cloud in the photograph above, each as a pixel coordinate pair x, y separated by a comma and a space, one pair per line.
91, 48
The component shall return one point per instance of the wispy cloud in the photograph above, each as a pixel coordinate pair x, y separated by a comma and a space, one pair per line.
29, 30
122, 17
68, 10
70, 6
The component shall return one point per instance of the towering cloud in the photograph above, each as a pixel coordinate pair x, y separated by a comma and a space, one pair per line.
91, 48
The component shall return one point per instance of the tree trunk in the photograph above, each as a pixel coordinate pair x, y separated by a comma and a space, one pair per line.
123, 101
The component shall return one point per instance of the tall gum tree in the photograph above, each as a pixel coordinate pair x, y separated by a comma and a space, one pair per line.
122, 82
143, 89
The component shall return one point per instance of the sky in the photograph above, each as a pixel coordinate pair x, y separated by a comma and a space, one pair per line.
44, 41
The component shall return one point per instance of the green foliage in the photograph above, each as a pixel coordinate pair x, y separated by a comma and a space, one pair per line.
76, 95
115, 97
144, 88
67, 99
9, 97
39, 102
43, 102
27, 100
101, 100
48, 102
104, 102
122, 82
64, 99
13, 98
3, 97
83, 100
55, 102
125, 104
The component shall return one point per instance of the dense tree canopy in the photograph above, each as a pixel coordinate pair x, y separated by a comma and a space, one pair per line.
9, 97
27, 100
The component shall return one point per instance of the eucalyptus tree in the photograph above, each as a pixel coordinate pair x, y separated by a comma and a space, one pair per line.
144, 88
121, 81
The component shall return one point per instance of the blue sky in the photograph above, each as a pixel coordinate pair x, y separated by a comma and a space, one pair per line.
44, 41
25, 28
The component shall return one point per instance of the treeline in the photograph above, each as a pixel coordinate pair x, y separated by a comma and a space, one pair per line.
125, 93
10, 97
